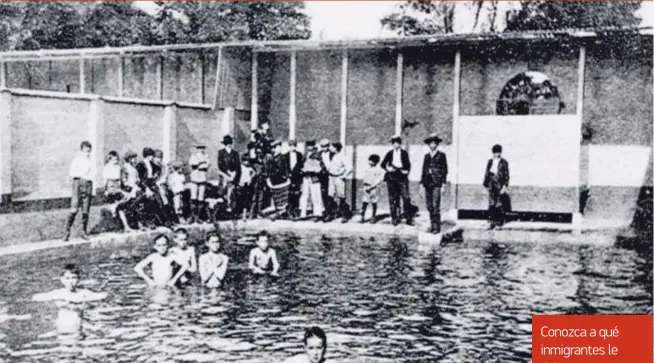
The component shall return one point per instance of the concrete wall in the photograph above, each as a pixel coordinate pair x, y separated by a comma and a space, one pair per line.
42, 131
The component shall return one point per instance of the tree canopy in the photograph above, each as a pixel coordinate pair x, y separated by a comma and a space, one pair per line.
52, 25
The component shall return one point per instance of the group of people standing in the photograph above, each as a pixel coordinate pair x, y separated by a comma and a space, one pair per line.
265, 181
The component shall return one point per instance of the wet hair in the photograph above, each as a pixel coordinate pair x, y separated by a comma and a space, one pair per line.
84, 144
263, 233
374, 158
338, 146
70, 268
160, 236
315, 331
497, 149
181, 231
212, 234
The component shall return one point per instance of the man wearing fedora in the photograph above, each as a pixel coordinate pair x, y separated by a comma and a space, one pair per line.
229, 168
397, 166
433, 178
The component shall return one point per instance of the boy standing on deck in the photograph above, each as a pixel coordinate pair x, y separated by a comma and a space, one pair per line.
177, 184
245, 190
82, 172
213, 264
229, 168
71, 302
372, 178
496, 181
199, 163
162, 263
311, 187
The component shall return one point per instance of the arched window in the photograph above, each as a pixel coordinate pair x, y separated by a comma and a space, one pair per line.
529, 93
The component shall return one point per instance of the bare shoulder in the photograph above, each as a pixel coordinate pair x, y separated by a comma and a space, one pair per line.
301, 358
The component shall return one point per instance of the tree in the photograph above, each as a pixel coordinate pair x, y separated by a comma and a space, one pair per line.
549, 15
418, 17
10, 19
116, 24
200, 22
50, 25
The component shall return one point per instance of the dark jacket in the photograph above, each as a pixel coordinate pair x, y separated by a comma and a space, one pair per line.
502, 177
434, 170
276, 169
144, 180
296, 171
397, 175
229, 162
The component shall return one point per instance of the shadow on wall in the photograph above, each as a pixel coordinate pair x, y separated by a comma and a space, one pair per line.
642, 220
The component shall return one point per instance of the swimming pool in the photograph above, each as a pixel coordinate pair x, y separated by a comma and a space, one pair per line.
379, 299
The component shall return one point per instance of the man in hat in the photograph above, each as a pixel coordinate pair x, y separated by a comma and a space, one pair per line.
433, 178
277, 178
199, 163
496, 181
229, 168
326, 156
82, 173
397, 166
311, 182
295, 161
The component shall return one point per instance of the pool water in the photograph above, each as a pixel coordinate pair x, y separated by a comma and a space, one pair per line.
379, 299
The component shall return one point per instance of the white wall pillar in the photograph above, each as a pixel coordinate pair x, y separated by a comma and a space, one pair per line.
216, 87
82, 79
292, 117
160, 66
399, 81
96, 138
121, 76
5, 145
254, 106
454, 172
3, 74
201, 80
344, 75
170, 133
581, 71
227, 122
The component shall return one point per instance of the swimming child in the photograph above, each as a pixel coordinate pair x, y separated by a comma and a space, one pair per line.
162, 263
315, 346
185, 253
263, 259
71, 302
213, 264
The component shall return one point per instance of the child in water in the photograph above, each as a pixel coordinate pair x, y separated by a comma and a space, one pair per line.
71, 302
263, 259
162, 263
213, 264
185, 253
315, 346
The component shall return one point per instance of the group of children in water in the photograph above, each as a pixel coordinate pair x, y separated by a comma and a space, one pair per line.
174, 267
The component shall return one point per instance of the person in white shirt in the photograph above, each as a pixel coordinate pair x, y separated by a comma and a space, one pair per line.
177, 184
338, 171
327, 201
82, 172
397, 166
372, 178
114, 193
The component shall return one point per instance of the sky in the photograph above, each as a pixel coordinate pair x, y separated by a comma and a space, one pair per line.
361, 19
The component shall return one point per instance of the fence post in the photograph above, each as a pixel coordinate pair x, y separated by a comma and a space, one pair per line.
96, 138
5, 148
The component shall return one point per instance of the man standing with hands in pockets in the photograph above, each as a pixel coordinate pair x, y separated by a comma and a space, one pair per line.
397, 166
434, 177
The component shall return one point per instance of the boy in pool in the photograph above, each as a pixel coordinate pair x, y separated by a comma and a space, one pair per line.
263, 259
185, 253
71, 301
163, 264
315, 346
213, 264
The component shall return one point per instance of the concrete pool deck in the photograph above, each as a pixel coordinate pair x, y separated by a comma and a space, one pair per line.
589, 232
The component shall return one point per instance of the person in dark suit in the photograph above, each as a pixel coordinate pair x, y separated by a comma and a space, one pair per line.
229, 168
148, 174
397, 166
434, 177
295, 161
496, 180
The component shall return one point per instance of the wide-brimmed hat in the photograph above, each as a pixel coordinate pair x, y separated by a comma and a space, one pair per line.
396, 138
200, 146
325, 142
433, 138
228, 140
310, 143
276, 143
